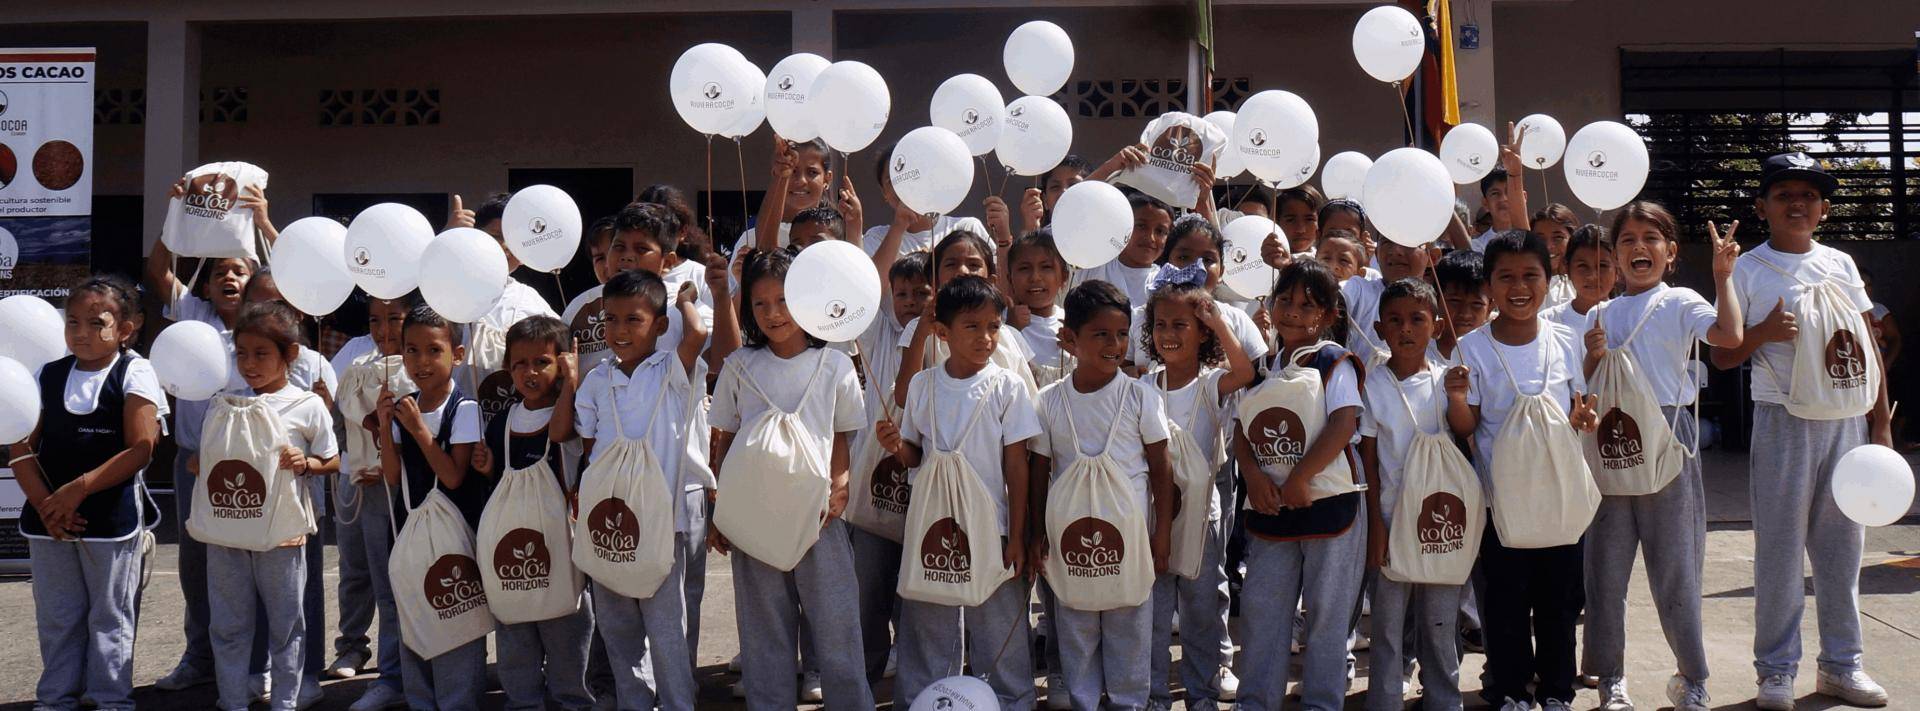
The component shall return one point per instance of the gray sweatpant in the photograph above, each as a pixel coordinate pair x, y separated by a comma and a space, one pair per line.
1670, 528
1324, 575
1202, 607
876, 566
995, 638
83, 606
1105, 652
193, 568
1425, 618
453, 681
1794, 518
375, 532
278, 578
767, 604
646, 642
694, 577
538, 660
355, 588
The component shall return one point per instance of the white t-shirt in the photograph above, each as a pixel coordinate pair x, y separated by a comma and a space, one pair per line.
825, 394
1134, 405
1198, 408
309, 424
1042, 336
950, 404
521, 420
188, 307
1387, 420
611, 403
921, 241
688, 272
1479, 243
1011, 348
1552, 361
1242, 326
583, 318
1663, 347
82, 393
466, 422
307, 368
1560, 290
1759, 288
880, 355
1580, 323
746, 239
1132, 281
1363, 309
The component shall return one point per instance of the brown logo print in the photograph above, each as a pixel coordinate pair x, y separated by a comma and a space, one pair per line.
236, 490
590, 328
614, 531
521, 560
453, 587
1092, 548
1443, 524
496, 395
210, 195
1277, 437
889, 486
1846, 361
945, 556
1620, 444
1176, 148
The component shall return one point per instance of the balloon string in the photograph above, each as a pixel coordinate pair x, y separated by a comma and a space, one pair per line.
1445, 313
1405, 117
710, 224
986, 181
1544, 194
562, 286
740, 161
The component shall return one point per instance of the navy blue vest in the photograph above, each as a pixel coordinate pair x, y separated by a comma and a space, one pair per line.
72, 445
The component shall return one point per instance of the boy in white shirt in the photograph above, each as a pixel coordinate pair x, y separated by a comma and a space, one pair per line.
1793, 470
1152, 223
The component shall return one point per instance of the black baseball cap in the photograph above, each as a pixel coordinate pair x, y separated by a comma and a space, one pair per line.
1796, 166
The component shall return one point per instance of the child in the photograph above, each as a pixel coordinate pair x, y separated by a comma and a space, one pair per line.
1362, 296
1152, 222
1532, 596
428, 437
958, 254
1300, 217
87, 509
645, 237
1193, 255
1036, 274
1658, 325
784, 368
1500, 191
816, 224
1340, 249
1556, 224
1793, 472
1590, 270
1408, 394
266, 341
1099, 412
1462, 278
643, 394
1071, 170
910, 231
1309, 554
688, 265
1345, 214
800, 180
1190, 338
484, 371
363, 513
982, 412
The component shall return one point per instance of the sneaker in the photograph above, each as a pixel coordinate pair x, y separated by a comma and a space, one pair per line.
1057, 697
1513, 704
378, 698
1776, 693
260, 684
1555, 705
1854, 687
810, 688
348, 665
1686, 695
893, 664
1587, 680
1613, 695
733, 665
184, 676
738, 689
1225, 685
310, 694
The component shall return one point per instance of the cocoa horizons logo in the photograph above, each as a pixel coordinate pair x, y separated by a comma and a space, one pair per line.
210, 196
453, 586
1846, 362
590, 328
614, 531
521, 560
945, 556
236, 490
1443, 524
1176, 148
1619, 439
1277, 437
1092, 548
889, 486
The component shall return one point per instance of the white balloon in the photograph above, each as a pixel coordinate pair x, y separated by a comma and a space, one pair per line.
1388, 43
1408, 197
710, 87
956, 693
786, 96
833, 291
1470, 152
19, 401
1873, 485
1229, 165
1274, 132
309, 265
970, 107
849, 102
192, 361
1036, 136
931, 170
1243, 271
1607, 165
748, 118
383, 249
1344, 175
1039, 58
35, 333
465, 276
1092, 222
1542, 141
1301, 171
542, 226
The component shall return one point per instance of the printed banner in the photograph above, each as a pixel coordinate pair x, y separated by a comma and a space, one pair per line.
46, 169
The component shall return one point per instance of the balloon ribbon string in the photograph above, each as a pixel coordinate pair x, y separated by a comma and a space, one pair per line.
710, 224
740, 161
1452, 327
1406, 118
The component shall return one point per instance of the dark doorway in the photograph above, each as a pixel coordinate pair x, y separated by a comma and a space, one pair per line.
599, 192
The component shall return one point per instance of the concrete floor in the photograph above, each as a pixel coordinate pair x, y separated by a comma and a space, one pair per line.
1890, 607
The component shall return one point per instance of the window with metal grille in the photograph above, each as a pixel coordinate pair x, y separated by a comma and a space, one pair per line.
1710, 117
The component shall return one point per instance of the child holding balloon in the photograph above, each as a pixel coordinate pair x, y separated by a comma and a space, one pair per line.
1130, 270
910, 231
960, 253
87, 509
